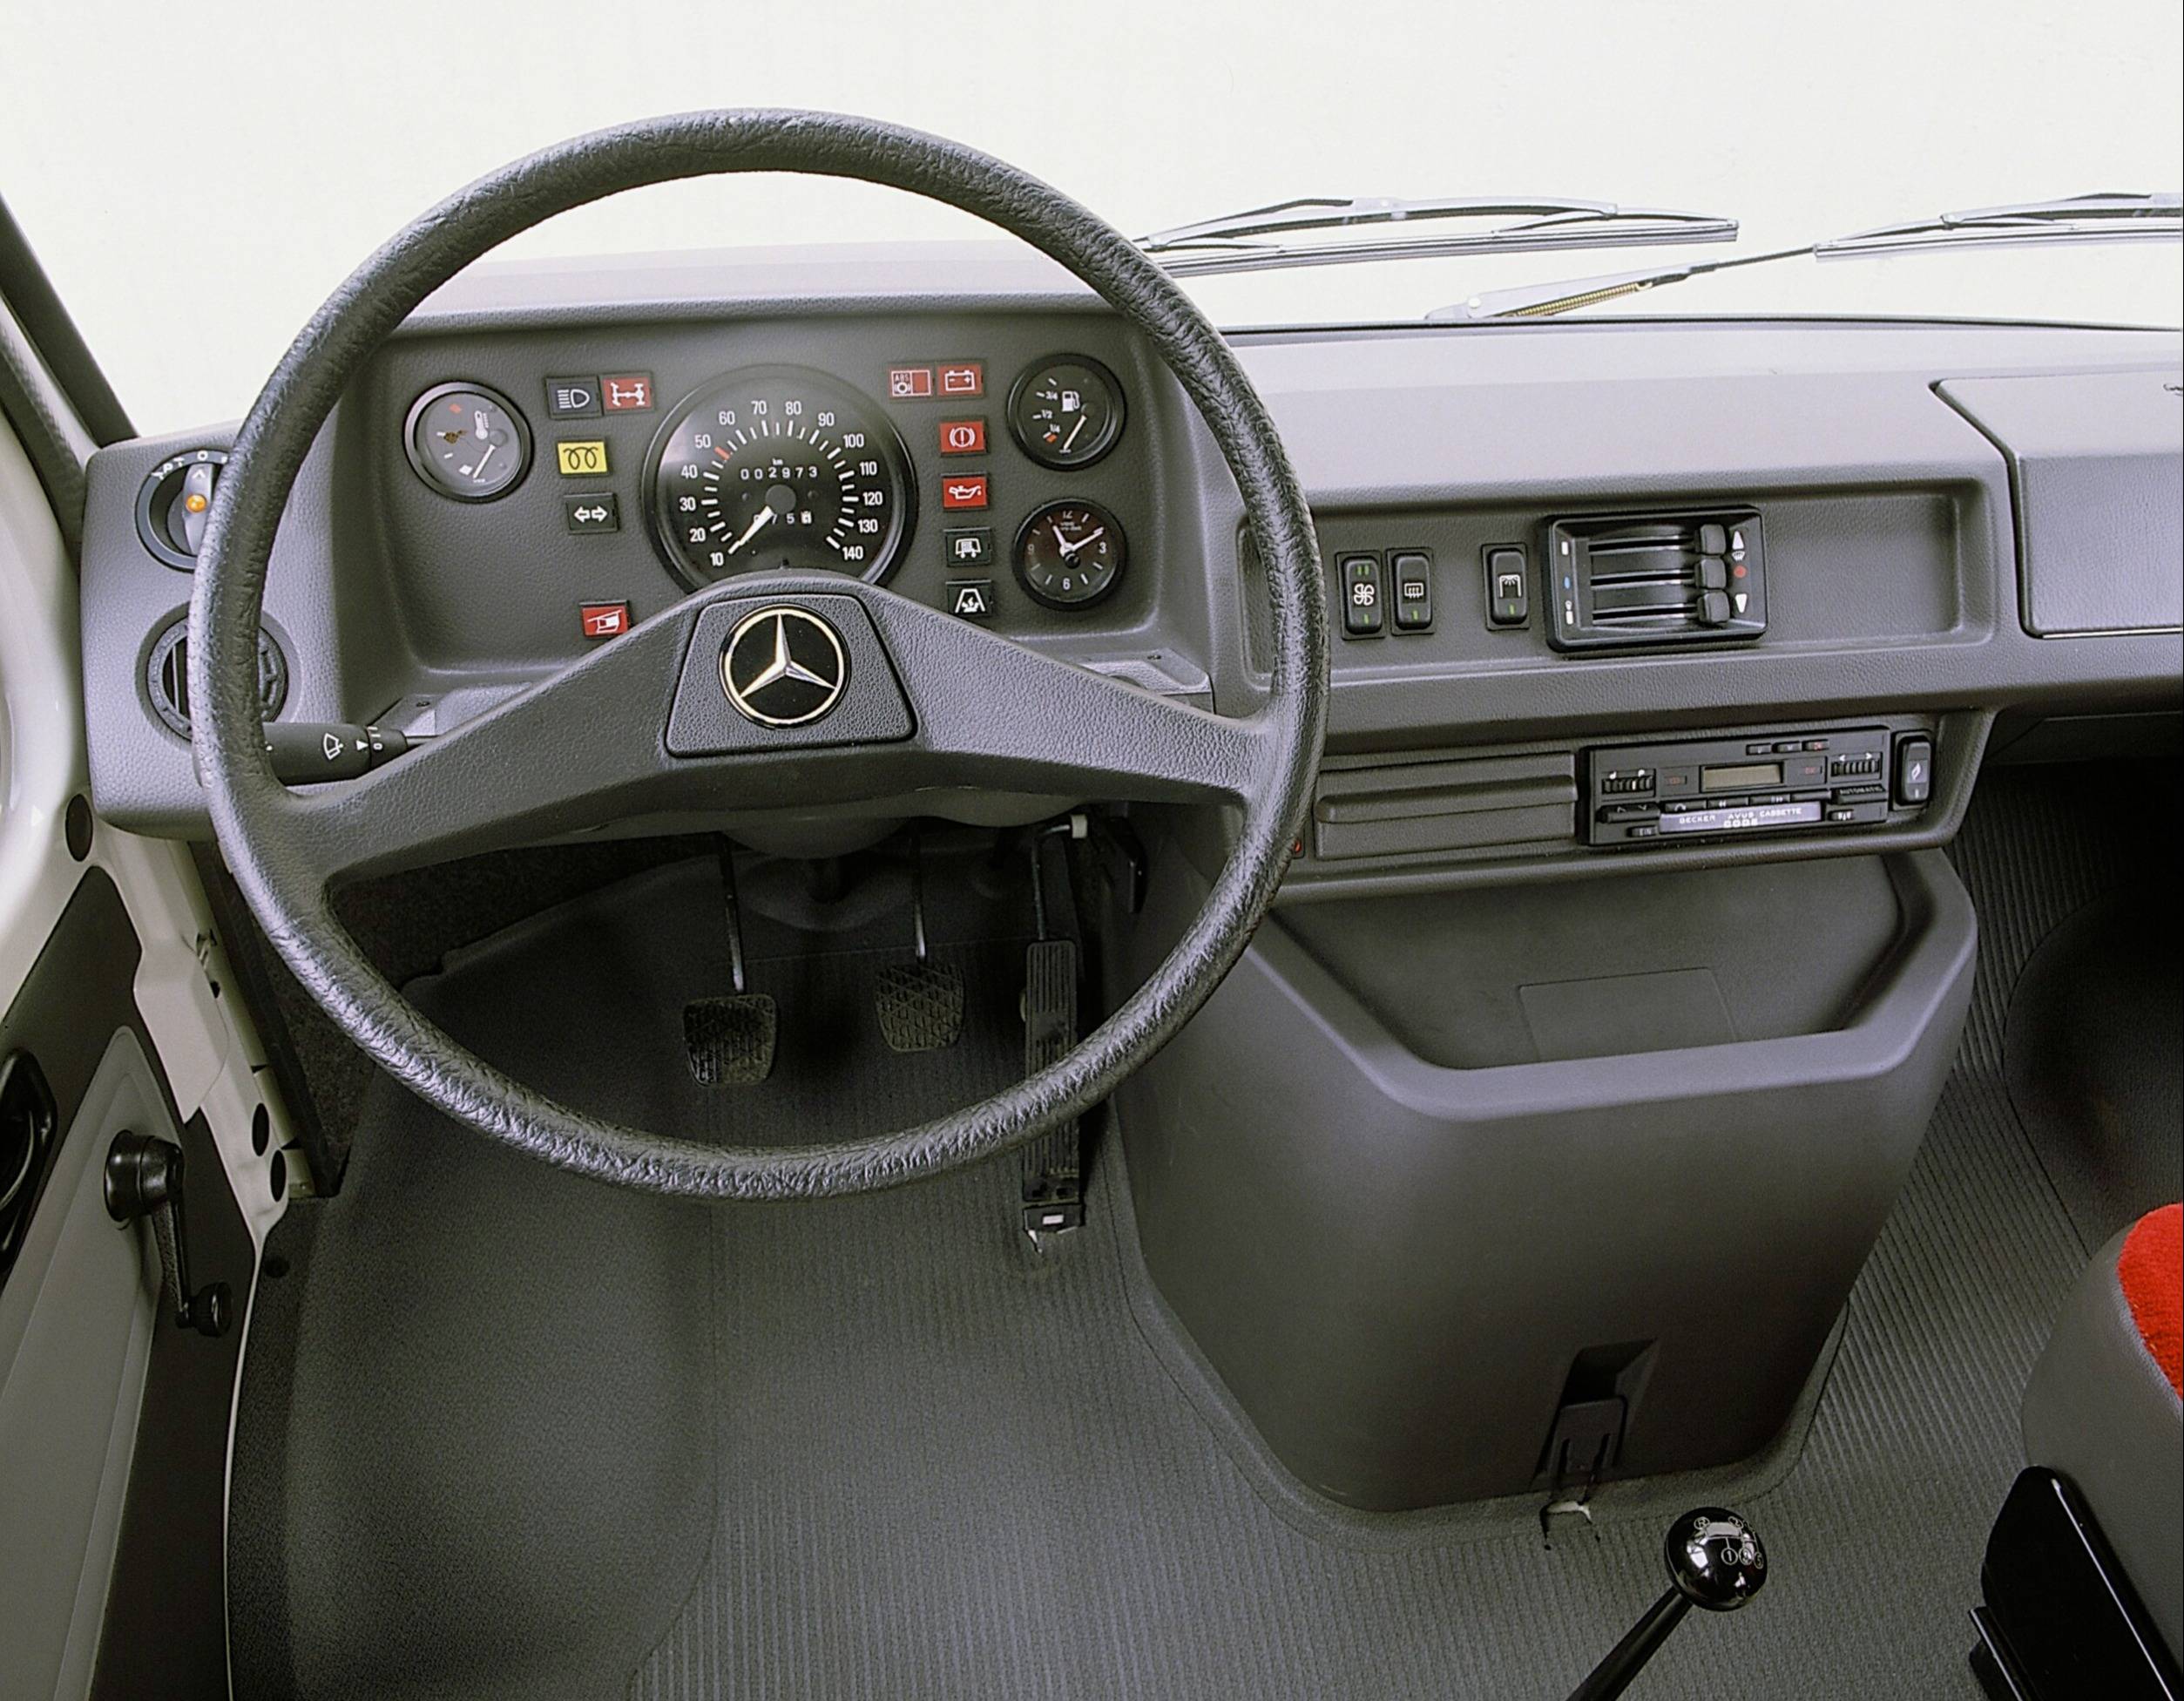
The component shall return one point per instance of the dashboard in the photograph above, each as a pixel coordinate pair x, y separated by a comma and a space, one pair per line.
1599, 589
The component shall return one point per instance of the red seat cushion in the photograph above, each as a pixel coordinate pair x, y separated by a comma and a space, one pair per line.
2151, 1269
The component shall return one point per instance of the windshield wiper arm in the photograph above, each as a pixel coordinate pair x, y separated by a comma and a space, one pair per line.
1227, 244
2106, 218
2109, 217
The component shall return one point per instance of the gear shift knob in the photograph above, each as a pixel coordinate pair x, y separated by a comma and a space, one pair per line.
1714, 1559
1714, 1563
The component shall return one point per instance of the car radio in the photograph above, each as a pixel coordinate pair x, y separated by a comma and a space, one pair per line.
1658, 793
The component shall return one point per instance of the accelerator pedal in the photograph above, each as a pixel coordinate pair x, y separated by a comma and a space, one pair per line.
920, 1003
730, 1040
1053, 1165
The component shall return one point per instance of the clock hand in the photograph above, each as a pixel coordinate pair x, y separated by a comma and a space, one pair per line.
1092, 536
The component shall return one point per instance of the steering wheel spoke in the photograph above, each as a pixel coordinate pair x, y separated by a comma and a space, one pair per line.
571, 751
998, 715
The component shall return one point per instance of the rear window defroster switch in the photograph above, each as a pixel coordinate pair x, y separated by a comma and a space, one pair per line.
1410, 578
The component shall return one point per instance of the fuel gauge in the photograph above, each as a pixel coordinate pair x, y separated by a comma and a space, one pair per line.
468, 442
1066, 412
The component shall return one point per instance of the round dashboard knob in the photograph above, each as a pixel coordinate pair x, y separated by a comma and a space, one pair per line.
175, 501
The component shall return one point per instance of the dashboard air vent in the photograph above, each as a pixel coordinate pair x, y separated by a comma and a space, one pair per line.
166, 675
1617, 581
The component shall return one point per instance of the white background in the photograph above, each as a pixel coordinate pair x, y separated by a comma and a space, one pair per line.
198, 178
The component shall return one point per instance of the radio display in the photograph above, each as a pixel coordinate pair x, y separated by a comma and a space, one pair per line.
1742, 778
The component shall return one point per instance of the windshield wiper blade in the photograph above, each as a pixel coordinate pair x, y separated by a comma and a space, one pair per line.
1227, 244
2105, 218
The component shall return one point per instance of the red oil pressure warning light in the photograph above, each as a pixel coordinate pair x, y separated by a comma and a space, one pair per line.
969, 492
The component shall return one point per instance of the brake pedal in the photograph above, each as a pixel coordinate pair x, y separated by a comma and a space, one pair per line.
920, 1003
730, 1040
1052, 1166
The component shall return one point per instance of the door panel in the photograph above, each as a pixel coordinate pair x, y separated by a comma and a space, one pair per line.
113, 1421
68, 1416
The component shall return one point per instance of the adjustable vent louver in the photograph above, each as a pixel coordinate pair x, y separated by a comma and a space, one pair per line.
166, 675
1619, 581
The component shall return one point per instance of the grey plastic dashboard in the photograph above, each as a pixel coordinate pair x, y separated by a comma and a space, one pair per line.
1931, 494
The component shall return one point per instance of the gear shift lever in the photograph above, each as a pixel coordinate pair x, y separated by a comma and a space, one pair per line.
1714, 1562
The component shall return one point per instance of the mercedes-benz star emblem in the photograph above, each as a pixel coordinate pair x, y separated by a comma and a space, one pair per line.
783, 667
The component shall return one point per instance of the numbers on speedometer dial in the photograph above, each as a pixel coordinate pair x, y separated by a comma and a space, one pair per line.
775, 468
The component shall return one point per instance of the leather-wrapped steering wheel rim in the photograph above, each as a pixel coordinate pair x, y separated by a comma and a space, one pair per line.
250, 807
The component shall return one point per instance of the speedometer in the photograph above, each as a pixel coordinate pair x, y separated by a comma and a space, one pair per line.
778, 467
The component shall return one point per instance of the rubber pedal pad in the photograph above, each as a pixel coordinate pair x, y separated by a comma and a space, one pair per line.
730, 1040
920, 1006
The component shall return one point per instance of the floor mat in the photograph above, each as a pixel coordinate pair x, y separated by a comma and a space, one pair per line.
508, 1432
1013, 1493
2076, 1002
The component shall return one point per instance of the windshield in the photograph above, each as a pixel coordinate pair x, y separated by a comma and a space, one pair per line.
196, 188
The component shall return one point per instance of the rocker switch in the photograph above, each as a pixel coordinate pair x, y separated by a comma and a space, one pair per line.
1915, 770
1364, 610
1508, 603
1411, 575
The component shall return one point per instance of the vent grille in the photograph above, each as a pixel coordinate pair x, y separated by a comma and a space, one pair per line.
1622, 581
166, 676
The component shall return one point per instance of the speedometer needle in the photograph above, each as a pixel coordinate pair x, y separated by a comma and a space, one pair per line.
753, 528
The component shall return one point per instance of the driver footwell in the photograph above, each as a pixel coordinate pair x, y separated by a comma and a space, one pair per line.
509, 1433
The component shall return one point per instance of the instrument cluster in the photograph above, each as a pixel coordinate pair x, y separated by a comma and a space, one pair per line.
787, 466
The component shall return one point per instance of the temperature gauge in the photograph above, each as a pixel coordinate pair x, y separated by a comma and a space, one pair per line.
1070, 554
1066, 412
468, 442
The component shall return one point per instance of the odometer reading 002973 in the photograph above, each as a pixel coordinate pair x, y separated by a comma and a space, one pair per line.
779, 467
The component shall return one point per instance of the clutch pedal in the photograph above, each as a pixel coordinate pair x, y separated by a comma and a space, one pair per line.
730, 1040
920, 1003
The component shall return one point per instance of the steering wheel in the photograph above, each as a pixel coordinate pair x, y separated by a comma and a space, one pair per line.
646, 724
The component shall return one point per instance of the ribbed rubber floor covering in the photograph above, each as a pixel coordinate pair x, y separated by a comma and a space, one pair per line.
505, 1432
